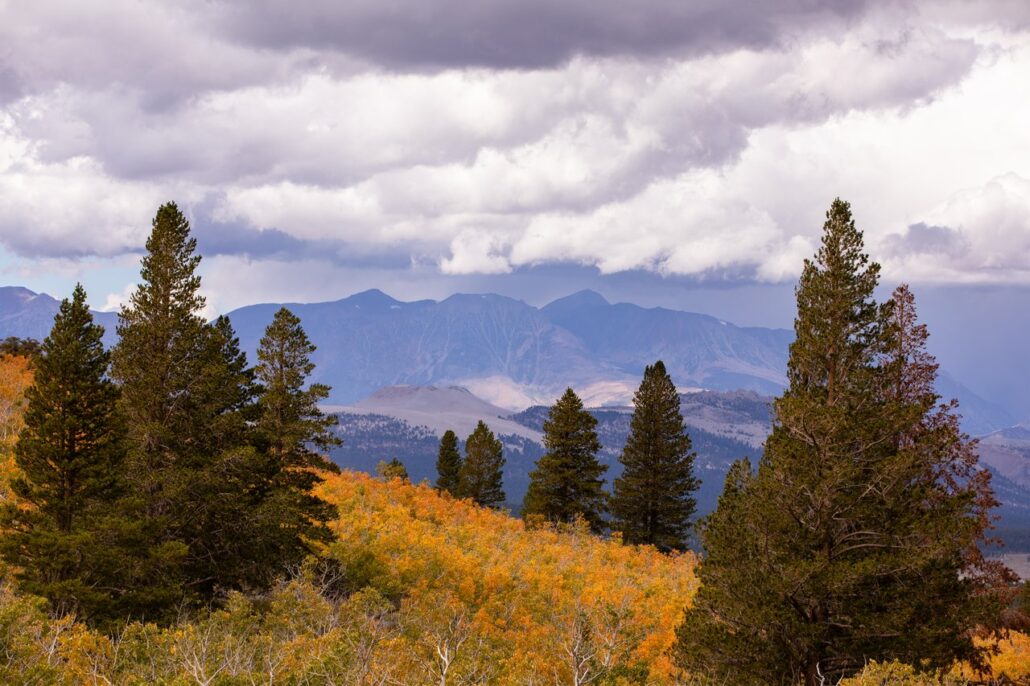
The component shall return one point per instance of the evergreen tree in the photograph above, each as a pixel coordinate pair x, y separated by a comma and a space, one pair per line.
70, 455
653, 499
448, 464
480, 476
159, 357
228, 480
567, 482
20, 347
163, 351
292, 430
185, 393
394, 469
855, 538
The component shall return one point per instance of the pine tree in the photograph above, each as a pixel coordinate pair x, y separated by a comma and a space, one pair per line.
185, 393
854, 540
228, 481
392, 469
568, 482
162, 346
448, 464
653, 499
70, 454
292, 430
481, 473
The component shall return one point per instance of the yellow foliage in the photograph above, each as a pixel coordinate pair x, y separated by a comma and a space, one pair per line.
428, 590
15, 379
1010, 660
896, 674
481, 592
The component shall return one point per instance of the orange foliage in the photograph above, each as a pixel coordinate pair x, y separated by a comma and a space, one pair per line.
485, 599
1012, 660
15, 379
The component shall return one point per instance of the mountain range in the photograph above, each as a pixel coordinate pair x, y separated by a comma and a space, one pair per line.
403, 372
513, 354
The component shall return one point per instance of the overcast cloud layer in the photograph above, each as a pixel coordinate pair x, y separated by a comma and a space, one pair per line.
701, 139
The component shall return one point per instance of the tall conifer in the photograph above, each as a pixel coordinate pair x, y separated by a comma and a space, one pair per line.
293, 432
854, 541
185, 395
161, 360
653, 499
448, 464
482, 471
70, 455
568, 480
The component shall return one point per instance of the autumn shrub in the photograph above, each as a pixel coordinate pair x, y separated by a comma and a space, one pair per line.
488, 601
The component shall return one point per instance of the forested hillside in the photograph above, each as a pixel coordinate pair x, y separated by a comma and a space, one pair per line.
419, 588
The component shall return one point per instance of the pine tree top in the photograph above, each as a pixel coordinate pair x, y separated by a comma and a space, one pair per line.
170, 283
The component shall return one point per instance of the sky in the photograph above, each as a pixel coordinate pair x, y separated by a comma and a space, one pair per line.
667, 152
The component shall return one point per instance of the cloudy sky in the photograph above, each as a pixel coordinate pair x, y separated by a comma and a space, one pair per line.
664, 151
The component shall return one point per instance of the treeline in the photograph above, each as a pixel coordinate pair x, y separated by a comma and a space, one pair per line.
168, 472
652, 502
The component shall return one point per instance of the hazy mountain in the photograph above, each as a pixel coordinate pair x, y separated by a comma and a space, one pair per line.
510, 353
438, 409
370, 340
26, 314
514, 354
1008, 452
698, 350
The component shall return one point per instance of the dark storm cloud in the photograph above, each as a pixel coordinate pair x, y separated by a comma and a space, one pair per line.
522, 33
235, 239
927, 239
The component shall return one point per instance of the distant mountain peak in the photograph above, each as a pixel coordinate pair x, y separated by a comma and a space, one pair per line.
373, 297
19, 294
480, 299
579, 299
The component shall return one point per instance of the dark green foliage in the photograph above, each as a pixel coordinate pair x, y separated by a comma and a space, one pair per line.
290, 430
162, 350
857, 537
218, 479
448, 463
173, 381
480, 477
568, 480
290, 424
394, 469
653, 499
70, 454
21, 347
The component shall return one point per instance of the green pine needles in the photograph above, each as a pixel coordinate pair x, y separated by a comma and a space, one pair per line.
448, 464
857, 537
67, 546
653, 500
183, 476
568, 480
480, 477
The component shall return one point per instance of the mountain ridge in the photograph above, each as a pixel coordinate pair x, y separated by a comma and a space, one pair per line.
508, 352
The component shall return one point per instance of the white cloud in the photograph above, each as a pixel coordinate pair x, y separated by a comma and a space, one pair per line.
714, 163
476, 252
